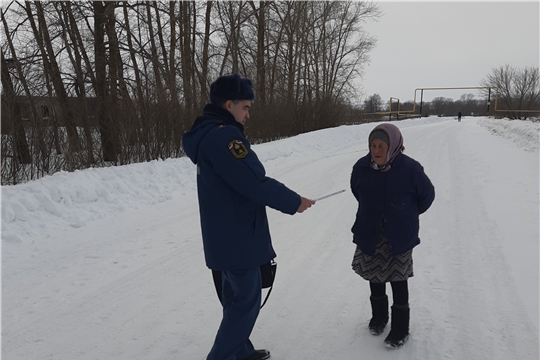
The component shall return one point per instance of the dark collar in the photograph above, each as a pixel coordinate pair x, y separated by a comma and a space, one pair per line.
215, 111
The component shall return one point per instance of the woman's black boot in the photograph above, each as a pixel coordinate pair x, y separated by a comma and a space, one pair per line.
379, 310
399, 331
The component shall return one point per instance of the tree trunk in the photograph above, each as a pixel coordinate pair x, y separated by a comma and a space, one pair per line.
141, 130
106, 131
205, 58
161, 114
35, 117
122, 103
20, 144
54, 71
260, 83
69, 28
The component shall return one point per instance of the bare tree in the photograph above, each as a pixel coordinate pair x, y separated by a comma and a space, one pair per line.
338, 50
260, 16
139, 131
147, 67
71, 36
109, 137
441, 106
518, 90
13, 107
51, 67
187, 51
204, 62
373, 103
9, 104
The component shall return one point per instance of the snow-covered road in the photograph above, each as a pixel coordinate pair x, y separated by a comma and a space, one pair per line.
108, 263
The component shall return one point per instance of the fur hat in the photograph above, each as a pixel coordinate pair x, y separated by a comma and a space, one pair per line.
378, 134
231, 87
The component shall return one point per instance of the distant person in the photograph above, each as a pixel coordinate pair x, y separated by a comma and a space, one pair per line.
392, 191
233, 192
459, 116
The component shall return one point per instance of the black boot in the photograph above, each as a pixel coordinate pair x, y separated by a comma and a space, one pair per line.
379, 310
399, 331
258, 355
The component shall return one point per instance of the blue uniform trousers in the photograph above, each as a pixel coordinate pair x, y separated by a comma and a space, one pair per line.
241, 304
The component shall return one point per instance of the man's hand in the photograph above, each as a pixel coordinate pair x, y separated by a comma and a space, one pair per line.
305, 204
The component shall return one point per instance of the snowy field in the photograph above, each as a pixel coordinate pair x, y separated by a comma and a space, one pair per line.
108, 263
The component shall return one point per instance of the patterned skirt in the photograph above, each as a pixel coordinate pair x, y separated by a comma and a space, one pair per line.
382, 266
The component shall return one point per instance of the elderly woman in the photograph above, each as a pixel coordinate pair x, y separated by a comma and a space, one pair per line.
392, 191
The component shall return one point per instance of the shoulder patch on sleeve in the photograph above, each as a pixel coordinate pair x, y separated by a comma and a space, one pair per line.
238, 149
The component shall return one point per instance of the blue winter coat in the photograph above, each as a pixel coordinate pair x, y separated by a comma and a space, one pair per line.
391, 201
233, 192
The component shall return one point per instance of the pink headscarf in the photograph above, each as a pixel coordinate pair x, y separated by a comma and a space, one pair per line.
395, 145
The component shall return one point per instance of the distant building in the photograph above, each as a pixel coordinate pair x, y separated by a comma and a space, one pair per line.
47, 109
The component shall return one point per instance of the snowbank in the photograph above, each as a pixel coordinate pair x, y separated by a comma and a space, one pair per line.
523, 133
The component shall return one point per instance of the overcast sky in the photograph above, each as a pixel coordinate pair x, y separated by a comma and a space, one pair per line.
447, 44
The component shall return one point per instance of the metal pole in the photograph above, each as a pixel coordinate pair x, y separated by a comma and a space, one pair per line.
421, 101
489, 99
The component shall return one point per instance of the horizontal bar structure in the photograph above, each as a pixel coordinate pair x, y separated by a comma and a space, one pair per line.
411, 112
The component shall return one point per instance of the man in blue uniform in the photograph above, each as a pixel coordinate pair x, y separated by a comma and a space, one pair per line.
233, 192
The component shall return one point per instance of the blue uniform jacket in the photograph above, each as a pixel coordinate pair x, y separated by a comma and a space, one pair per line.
390, 200
233, 192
